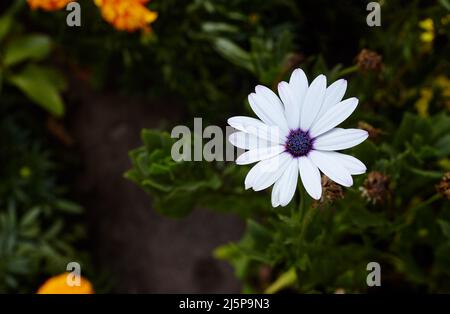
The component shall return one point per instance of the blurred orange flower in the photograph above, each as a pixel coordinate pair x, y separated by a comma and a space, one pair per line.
58, 285
127, 15
48, 5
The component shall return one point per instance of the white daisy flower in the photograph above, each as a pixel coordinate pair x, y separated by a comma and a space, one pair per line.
297, 135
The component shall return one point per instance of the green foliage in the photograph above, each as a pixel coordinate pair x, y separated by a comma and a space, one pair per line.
208, 56
177, 187
28, 47
20, 57
407, 235
39, 228
34, 245
41, 85
265, 59
319, 246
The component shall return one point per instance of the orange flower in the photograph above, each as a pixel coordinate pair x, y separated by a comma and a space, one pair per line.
127, 15
58, 285
48, 5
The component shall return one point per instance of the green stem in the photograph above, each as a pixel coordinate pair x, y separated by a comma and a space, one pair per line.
348, 70
301, 205
307, 218
433, 198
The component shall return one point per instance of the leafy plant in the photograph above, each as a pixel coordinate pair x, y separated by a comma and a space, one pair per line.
178, 187
39, 227
393, 215
20, 65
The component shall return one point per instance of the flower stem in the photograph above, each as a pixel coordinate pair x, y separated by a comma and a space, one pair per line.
348, 70
433, 198
301, 205
307, 218
307, 212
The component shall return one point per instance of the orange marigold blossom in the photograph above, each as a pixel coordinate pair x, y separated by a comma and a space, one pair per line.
58, 285
48, 5
127, 15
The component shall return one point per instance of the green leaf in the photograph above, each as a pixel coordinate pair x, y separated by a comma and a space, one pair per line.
443, 145
55, 77
175, 205
285, 280
426, 173
235, 256
234, 53
226, 251
68, 207
30, 217
40, 87
30, 47
5, 25
445, 4
214, 27
445, 227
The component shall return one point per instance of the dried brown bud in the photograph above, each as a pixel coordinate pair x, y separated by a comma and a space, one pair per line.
368, 60
444, 186
376, 187
374, 133
330, 190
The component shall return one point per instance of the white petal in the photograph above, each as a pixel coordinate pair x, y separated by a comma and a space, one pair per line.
258, 154
313, 102
333, 117
264, 166
288, 183
331, 167
248, 141
266, 109
241, 122
269, 95
310, 175
333, 95
338, 138
298, 84
271, 172
258, 128
353, 165
276, 194
253, 173
291, 106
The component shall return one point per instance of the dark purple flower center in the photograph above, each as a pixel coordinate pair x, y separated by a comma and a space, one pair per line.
298, 143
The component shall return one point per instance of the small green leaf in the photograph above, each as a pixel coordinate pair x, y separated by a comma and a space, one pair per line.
214, 27
443, 145
68, 207
5, 25
31, 47
35, 82
234, 53
285, 280
445, 4
30, 217
445, 227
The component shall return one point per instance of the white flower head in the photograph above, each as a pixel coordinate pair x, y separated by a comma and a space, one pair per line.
297, 135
